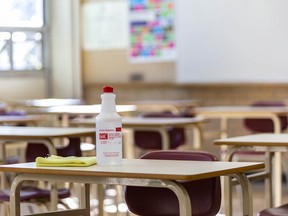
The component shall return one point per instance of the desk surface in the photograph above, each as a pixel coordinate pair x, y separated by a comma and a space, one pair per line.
174, 106
46, 102
81, 109
20, 119
177, 103
256, 140
276, 143
13, 132
241, 110
138, 121
139, 168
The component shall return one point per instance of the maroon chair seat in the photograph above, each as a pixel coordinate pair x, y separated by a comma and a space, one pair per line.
31, 192
205, 195
152, 139
277, 211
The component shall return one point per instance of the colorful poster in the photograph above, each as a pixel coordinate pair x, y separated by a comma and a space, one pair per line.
152, 30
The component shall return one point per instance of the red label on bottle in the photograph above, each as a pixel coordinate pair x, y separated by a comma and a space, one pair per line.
118, 129
103, 136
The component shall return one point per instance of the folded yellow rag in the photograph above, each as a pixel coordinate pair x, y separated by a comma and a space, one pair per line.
54, 161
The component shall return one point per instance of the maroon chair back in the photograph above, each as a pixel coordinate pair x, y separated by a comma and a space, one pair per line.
152, 139
32, 192
35, 150
276, 211
205, 195
265, 125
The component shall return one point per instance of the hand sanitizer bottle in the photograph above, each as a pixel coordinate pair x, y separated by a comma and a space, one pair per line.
108, 131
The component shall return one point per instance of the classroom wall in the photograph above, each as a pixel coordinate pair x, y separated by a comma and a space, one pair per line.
112, 66
22, 87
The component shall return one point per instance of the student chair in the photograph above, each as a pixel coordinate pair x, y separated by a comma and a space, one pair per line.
151, 140
205, 195
265, 125
34, 150
33, 193
277, 211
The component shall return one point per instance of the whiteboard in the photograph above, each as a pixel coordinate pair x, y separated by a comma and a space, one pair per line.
105, 25
232, 41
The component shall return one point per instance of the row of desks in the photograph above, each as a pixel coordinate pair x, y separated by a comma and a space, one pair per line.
225, 113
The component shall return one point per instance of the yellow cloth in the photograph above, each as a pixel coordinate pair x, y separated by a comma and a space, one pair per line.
54, 161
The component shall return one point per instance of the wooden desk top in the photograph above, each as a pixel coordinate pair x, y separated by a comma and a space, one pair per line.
20, 119
147, 122
262, 139
81, 109
12, 132
160, 105
139, 168
239, 110
177, 103
46, 102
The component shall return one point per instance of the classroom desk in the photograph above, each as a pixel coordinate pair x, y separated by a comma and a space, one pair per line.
175, 106
66, 111
26, 119
45, 102
269, 143
43, 135
155, 124
224, 113
135, 172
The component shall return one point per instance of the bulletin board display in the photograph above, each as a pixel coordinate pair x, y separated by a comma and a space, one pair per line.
152, 31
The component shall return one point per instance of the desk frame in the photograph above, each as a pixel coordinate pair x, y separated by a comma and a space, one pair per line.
122, 176
241, 112
155, 124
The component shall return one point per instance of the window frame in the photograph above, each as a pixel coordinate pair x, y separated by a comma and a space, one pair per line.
45, 45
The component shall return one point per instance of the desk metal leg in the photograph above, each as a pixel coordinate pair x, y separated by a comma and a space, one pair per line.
165, 138
277, 169
197, 136
227, 191
178, 189
227, 182
268, 181
277, 179
247, 193
85, 198
15, 197
223, 127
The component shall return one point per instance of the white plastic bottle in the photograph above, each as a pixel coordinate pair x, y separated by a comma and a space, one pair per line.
108, 130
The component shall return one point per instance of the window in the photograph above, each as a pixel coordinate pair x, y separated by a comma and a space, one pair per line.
22, 35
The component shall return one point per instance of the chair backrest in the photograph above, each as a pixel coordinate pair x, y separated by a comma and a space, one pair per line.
265, 125
34, 150
152, 139
276, 211
205, 195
